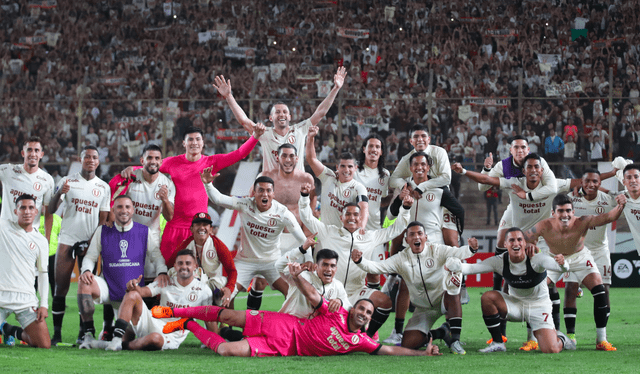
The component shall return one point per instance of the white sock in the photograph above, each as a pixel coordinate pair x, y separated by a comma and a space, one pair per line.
601, 334
530, 335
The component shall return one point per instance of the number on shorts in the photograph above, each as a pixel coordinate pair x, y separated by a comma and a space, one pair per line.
381, 256
546, 316
446, 218
607, 270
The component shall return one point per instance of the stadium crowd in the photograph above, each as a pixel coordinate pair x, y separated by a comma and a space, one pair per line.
356, 68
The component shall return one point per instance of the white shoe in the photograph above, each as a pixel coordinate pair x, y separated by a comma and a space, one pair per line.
394, 338
87, 341
456, 348
114, 345
567, 343
494, 347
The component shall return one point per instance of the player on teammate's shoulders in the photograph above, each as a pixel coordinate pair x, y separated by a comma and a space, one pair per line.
24, 252
86, 200
183, 290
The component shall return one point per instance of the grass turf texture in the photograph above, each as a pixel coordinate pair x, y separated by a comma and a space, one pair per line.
190, 358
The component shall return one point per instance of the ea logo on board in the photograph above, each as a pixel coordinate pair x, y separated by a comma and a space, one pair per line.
346, 193
429, 263
291, 139
272, 222
37, 186
623, 269
431, 197
95, 192
599, 210
32, 246
192, 297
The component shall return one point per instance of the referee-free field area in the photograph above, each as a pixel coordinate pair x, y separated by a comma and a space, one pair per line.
623, 331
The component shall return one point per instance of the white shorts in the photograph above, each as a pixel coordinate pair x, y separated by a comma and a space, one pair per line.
423, 319
363, 293
448, 220
435, 236
379, 253
538, 315
104, 294
248, 270
506, 222
23, 305
581, 264
603, 263
147, 325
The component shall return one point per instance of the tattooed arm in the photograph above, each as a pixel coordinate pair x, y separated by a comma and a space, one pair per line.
532, 235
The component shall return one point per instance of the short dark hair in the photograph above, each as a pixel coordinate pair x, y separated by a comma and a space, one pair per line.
89, 147
514, 229
561, 199
347, 156
344, 208
361, 300
287, 145
32, 139
531, 156
590, 170
263, 179
518, 137
25, 196
327, 254
121, 197
415, 223
273, 107
421, 154
631, 167
418, 127
186, 252
151, 147
191, 130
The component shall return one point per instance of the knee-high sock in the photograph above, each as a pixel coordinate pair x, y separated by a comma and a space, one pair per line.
378, 318
14, 331
108, 314
205, 313
497, 278
600, 306
493, 325
455, 324
57, 309
503, 326
254, 300
210, 339
570, 319
555, 309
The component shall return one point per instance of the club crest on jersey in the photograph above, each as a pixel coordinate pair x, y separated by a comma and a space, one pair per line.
32, 246
381, 181
291, 139
599, 210
211, 254
355, 339
95, 192
429, 262
346, 193
37, 186
272, 222
431, 197
360, 237
124, 245
192, 296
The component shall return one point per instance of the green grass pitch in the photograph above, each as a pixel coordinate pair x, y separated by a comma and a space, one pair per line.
622, 330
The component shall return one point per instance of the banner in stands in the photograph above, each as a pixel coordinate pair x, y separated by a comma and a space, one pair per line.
112, 81
204, 37
44, 4
563, 88
503, 33
143, 120
32, 40
549, 59
239, 52
625, 269
363, 116
232, 134
287, 31
489, 102
353, 33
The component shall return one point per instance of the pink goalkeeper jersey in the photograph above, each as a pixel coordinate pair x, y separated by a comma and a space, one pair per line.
328, 334
191, 197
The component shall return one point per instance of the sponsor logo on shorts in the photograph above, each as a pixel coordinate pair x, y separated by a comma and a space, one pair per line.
623, 268
355, 339
37, 186
431, 197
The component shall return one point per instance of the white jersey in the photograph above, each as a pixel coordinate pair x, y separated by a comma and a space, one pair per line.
83, 204
342, 241
377, 189
23, 254
548, 182
335, 195
176, 296
210, 262
260, 232
440, 171
270, 141
147, 204
420, 270
540, 262
296, 303
631, 213
525, 212
17, 181
596, 239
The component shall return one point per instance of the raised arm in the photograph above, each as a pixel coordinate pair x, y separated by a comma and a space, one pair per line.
306, 213
310, 152
224, 89
476, 177
312, 295
325, 105
56, 199
603, 219
214, 195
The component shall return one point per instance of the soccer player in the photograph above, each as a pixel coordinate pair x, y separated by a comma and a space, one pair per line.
213, 256
184, 290
86, 200
263, 221
630, 178
279, 334
280, 116
590, 201
564, 233
321, 278
191, 198
347, 237
24, 252
422, 269
123, 248
528, 298
28, 178
338, 188
152, 194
